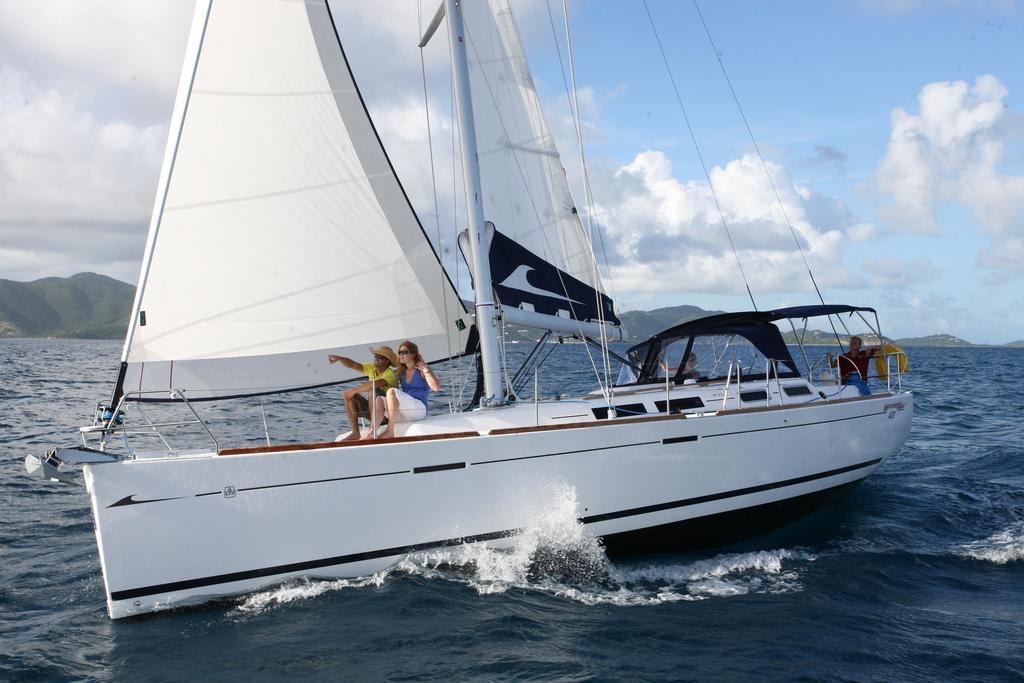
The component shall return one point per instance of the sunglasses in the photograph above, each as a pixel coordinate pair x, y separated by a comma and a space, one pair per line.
404, 352
382, 358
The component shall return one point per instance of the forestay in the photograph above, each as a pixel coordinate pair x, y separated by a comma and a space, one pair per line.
526, 196
280, 233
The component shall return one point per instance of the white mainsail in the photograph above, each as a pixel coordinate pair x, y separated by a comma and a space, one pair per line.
526, 195
280, 233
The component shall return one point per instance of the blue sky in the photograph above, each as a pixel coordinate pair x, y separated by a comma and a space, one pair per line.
893, 131
819, 83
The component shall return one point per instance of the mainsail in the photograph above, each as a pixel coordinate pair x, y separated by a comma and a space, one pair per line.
526, 195
280, 233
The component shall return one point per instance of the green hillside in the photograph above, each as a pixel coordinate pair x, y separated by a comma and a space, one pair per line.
813, 337
934, 340
642, 324
91, 306
86, 306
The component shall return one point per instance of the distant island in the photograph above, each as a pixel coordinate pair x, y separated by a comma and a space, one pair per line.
84, 306
91, 306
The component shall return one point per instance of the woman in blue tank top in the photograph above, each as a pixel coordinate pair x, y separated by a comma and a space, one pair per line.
416, 380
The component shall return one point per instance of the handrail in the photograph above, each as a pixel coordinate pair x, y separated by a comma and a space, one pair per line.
152, 427
110, 427
668, 390
770, 364
739, 384
728, 383
889, 374
180, 393
266, 430
536, 397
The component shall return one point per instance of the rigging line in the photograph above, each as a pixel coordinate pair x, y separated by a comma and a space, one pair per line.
570, 95
589, 199
509, 391
558, 51
519, 169
529, 195
586, 177
433, 187
569, 100
757, 148
693, 137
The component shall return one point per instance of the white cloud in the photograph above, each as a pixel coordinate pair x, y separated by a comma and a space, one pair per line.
85, 95
75, 190
87, 91
61, 163
887, 272
950, 152
910, 6
668, 235
136, 46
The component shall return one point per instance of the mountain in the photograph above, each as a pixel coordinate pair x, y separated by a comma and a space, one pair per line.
91, 306
639, 324
86, 305
642, 324
815, 337
934, 340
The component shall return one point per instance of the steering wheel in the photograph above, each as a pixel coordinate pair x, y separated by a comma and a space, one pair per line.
822, 365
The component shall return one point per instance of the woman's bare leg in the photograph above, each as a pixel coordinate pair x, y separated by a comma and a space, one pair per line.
392, 399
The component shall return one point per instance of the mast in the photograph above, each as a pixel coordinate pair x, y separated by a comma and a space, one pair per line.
494, 390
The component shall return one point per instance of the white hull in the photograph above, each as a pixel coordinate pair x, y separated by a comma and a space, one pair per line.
184, 529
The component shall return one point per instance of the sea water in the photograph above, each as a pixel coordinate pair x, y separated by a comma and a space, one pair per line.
916, 574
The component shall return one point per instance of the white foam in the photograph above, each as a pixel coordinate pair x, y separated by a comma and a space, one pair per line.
302, 589
556, 555
763, 571
553, 543
999, 548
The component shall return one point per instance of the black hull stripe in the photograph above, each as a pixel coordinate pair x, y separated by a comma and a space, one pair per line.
303, 483
304, 566
439, 468
130, 500
679, 439
582, 450
808, 424
720, 529
725, 494
405, 550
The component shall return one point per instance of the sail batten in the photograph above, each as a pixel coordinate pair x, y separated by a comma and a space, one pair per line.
283, 234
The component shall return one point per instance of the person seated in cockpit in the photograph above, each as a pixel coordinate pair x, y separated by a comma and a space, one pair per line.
853, 365
690, 369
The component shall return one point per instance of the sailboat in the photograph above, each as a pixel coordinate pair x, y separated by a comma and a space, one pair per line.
281, 234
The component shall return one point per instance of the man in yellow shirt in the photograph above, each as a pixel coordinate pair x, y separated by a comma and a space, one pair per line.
379, 378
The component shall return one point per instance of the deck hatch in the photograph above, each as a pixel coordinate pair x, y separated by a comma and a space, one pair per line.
677, 405
623, 410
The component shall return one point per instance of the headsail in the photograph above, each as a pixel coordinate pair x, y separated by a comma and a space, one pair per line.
281, 232
526, 195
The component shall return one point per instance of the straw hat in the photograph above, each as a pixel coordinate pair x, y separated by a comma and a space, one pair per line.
386, 352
